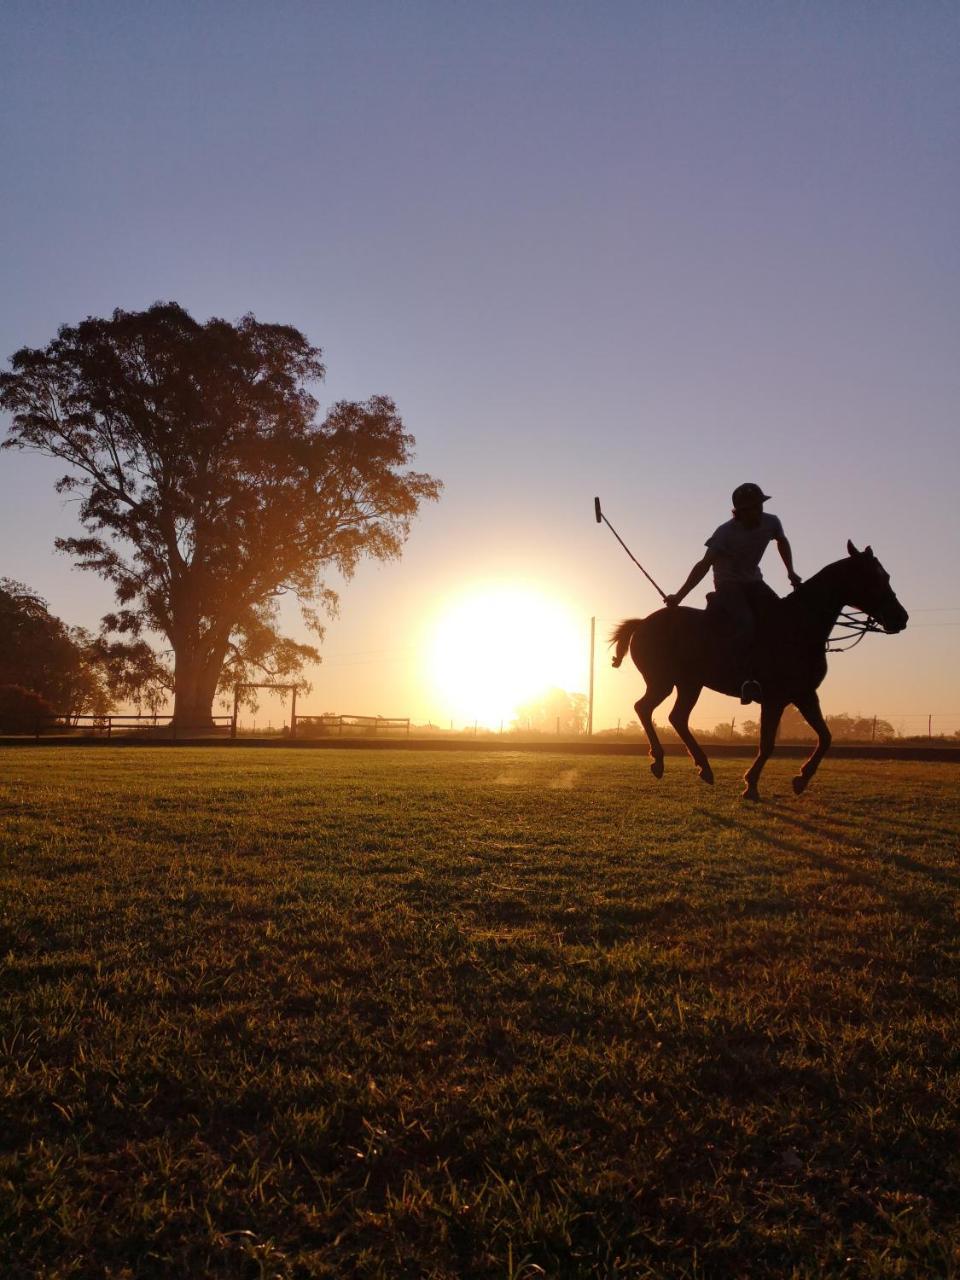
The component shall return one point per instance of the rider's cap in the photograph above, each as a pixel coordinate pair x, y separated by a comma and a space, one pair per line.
745, 495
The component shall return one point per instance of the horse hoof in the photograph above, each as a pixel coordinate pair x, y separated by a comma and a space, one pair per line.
750, 793
657, 768
706, 774
799, 784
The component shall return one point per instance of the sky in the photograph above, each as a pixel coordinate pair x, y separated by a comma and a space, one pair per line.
645, 251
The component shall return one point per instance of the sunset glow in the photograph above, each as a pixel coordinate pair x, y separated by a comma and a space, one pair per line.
497, 646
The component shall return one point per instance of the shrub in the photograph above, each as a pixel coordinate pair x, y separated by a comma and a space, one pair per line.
21, 710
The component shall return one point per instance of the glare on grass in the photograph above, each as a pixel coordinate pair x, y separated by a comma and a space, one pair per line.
496, 646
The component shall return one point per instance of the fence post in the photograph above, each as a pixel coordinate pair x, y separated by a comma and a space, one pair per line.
593, 635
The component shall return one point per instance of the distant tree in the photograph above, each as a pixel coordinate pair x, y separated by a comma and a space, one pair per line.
843, 727
554, 706
849, 728
41, 654
792, 727
22, 710
207, 487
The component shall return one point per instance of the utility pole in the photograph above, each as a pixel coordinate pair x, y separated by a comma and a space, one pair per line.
593, 637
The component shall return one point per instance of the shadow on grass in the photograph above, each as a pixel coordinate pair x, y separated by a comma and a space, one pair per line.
925, 909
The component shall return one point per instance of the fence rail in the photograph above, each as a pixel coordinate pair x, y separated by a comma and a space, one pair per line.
148, 724
95, 726
362, 724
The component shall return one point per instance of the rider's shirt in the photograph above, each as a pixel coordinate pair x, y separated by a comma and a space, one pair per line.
739, 549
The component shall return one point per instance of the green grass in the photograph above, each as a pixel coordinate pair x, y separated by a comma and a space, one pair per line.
288, 1013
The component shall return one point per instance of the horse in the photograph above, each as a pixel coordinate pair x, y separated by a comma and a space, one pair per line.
679, 648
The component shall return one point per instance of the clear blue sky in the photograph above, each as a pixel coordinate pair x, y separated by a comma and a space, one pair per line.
644, 250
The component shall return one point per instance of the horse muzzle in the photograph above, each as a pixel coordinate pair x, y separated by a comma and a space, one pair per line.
895, 620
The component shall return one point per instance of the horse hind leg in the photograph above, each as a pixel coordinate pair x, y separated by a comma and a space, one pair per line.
687, 696
645, 707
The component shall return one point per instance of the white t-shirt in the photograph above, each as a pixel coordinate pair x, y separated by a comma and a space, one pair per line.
739, 549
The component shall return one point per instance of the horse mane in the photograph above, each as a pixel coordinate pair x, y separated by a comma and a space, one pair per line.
828, 577
829, 571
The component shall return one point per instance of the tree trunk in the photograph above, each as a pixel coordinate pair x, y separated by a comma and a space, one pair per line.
193, 692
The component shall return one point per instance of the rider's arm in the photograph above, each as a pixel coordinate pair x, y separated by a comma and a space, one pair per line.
696, 574
786, 555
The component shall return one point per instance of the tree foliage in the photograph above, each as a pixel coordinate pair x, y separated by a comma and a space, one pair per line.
40, 654
22, 710
555, 710
207, 486
843, 727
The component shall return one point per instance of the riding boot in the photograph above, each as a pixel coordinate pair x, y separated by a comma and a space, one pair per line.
750, 690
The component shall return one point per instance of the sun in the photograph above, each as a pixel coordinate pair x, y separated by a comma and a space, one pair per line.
496, 646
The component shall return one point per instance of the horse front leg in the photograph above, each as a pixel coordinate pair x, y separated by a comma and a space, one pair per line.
809, 708
645, 708
770, 713
687, 696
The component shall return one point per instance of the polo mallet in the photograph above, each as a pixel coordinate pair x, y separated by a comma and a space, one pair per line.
601, 517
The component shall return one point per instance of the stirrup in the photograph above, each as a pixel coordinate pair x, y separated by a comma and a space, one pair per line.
750, 691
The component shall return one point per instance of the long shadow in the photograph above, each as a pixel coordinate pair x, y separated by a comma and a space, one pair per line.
928, 912
902, 860
894, 820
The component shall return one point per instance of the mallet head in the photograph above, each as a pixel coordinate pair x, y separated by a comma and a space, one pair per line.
596, 509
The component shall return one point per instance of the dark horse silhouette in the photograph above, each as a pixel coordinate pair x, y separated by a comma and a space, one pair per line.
680, 648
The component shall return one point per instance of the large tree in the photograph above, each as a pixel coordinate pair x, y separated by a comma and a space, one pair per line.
207, 485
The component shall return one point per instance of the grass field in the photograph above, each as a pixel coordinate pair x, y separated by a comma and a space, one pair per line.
290, 1014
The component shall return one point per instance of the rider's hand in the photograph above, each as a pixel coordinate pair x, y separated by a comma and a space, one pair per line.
795, 579
671, 601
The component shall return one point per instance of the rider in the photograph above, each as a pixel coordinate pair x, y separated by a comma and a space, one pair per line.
734, 552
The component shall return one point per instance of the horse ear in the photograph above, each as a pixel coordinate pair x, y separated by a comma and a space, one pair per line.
868, 551
851, 549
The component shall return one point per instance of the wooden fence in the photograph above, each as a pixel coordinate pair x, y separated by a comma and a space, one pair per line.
148, 725
315, 726
144, 723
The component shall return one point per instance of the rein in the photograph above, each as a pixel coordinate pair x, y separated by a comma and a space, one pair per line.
856, 625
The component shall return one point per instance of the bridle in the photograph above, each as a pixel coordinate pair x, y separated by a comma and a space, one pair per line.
856, 624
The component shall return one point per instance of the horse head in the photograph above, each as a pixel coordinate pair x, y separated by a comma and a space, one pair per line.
870, 591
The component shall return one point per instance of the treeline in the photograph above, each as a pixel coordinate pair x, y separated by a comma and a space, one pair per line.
49, 669
793, 728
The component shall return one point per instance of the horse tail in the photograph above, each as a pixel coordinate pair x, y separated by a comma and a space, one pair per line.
622, 636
